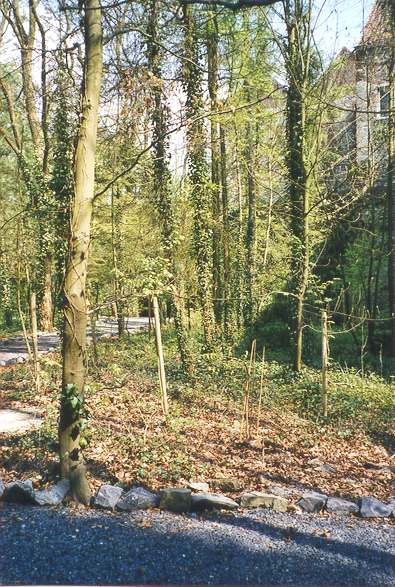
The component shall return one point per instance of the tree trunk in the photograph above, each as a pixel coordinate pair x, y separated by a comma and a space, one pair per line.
250, 245
297, 64
212, 64
33, 324
227, 306
39, 134
46, 306
161, 361
198, 175
240, 254
115, 246
75, 308
269, 216
162, 179
391, 190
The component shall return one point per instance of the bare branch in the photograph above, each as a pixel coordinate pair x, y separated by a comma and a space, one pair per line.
137, 158
11, 112
232, 5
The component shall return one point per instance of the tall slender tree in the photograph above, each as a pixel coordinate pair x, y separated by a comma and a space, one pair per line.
74, 291
297, 61
212, 67
26, 31
391, 175
198, 173
162, 180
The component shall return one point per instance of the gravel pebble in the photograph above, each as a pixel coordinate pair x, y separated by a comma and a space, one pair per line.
261, 547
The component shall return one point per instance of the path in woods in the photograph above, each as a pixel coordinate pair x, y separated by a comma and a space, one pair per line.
13, 351
64, 546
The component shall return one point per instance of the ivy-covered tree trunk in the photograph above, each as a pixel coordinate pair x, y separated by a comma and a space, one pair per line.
391, 182
226, 237
250, 243
61, 183
212, 64
239, 280
75, 299
198, 175
46, 305
297, 64
25, 32
162, 186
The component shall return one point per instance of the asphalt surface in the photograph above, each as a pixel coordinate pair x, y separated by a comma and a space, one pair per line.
13, 350
64, 546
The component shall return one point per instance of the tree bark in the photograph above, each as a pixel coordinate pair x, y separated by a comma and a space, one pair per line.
161, 360
33, 324
46, 306
297, 64
390, 187
227, 305
250, 244
198, 175
115, 246
39, 134
75, 299
162, 189
212, 64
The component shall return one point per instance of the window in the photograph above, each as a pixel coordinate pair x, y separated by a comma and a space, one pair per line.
384, 103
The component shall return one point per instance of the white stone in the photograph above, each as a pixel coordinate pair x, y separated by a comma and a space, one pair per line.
107, 497
338, 505
256, 499
370, 507
52, 495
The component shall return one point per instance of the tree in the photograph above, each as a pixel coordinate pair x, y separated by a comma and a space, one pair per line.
35, 164
297, 15
390, 177
198, 175
162, 181
74, 290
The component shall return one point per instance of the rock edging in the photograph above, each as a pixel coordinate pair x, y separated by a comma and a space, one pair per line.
194, 499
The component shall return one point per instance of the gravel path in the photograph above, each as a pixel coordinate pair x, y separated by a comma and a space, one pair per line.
49, 546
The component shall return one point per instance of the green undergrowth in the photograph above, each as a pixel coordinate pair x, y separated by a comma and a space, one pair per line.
128, 440
356, 403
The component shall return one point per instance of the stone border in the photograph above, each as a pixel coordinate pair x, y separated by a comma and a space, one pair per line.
183, 500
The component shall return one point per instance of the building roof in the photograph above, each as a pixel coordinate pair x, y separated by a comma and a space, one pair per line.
377, 30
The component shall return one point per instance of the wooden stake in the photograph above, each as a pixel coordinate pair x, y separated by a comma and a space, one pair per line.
245, 418
33, 323
258, 420
149, 318
93, 318
18, 298
22, 319
324, 364
161, 362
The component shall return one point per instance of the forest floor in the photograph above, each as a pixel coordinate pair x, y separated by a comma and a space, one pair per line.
129, 441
